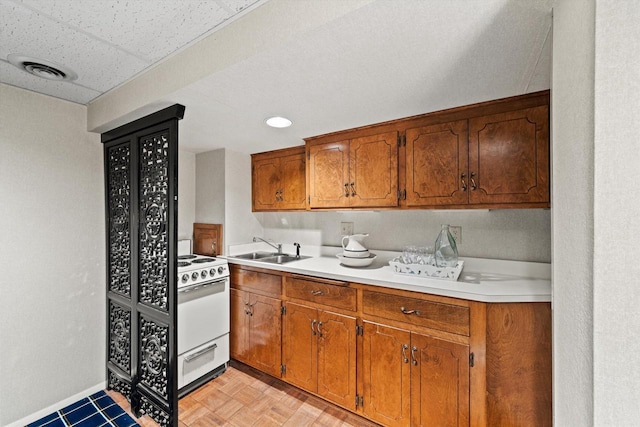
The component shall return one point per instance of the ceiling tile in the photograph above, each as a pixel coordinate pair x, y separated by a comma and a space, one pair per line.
64, 90
149, 29
99, 66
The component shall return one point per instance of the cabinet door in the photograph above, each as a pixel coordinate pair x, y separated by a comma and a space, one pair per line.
337, 358
264, 334
292, 182
437, 163
239, 336
299, 346
509, 157
386, 374
374, 170
329, 175
207, 239
265, 183
439, 382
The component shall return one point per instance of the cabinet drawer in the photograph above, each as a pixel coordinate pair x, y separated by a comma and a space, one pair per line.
434, 315
333, 294
256, 281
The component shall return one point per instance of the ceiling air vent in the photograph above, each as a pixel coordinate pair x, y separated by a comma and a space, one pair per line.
42, 68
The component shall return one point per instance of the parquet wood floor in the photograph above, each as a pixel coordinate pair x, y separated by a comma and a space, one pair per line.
243, 397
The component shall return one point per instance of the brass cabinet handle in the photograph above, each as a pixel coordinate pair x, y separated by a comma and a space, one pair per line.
213, 248
353, 189
405, 311
405, 359
313, 323
473, 182
317, 293
464, 184
318, 329
414, 361
346, 189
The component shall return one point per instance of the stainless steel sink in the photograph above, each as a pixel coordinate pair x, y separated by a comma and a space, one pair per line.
270, 257
282, 259
255, 255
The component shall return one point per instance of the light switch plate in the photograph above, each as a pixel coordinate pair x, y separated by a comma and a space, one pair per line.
346, 228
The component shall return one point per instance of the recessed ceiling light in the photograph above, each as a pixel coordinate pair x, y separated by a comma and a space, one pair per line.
278, 122
42, 68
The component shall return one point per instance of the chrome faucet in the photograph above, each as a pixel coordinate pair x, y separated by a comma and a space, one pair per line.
277, 246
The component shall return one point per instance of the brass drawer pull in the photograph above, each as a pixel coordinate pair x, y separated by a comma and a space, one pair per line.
464, 184
313, 323
405, 311
405, 359
346, 189
353, 190
318, 329
414, 361
473, 182
317, 293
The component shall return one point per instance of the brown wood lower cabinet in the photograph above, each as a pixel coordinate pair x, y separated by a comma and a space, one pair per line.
319, 353
255, 330
413, 379
397, 357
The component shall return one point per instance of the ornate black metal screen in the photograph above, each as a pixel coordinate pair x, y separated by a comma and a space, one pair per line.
141, 162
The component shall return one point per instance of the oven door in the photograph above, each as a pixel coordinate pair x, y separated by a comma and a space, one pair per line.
203, 313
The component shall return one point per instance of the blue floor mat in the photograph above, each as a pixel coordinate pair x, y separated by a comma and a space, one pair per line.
96, 410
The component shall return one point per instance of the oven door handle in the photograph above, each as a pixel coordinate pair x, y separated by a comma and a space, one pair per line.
200, 285
199, 353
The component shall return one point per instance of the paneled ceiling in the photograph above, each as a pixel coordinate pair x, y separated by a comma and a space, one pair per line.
106, 42
383, 60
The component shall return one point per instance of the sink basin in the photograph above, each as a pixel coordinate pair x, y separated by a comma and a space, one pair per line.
255, 255
270, 257
282, 259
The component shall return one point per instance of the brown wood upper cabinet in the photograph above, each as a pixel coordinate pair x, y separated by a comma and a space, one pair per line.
278, 180
497, 160
360, 172
207, 239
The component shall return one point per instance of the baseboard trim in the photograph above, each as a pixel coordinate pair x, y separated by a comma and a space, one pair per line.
59, 405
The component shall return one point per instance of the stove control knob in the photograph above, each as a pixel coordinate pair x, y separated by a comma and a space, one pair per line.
203, 274
194, 275
185, 278
212, 272
220, 270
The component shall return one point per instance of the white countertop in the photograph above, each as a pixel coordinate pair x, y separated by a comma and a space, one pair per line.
484, 280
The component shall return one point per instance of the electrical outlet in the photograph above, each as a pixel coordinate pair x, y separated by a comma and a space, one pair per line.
346, 228
456, 232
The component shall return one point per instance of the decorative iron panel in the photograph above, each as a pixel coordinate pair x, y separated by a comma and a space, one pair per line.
153, 356
154, 184
119, 158
160, 416
120, 336
141, 168
119, 385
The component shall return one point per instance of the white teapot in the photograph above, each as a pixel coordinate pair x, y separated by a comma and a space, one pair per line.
352, 246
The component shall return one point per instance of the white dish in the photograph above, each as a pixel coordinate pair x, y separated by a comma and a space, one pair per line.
356, 262
355, 254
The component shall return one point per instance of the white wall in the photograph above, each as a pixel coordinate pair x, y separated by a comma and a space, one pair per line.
242, 224
572, 187
616, 283
210, 198
186, 193
502, 234
52, 253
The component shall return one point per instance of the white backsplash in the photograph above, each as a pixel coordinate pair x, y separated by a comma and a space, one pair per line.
514, 234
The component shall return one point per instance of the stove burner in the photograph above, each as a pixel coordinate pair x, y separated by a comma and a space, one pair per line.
183, 264
201, 260
186, 257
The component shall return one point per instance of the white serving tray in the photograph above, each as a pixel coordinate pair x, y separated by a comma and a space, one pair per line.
428, 271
